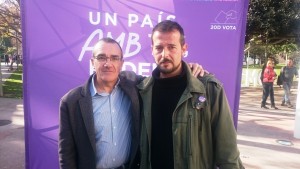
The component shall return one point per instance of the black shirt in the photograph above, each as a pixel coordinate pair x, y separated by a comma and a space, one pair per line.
165, 96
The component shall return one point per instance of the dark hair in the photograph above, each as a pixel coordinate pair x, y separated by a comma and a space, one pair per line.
110, 40
169, 26
291, 59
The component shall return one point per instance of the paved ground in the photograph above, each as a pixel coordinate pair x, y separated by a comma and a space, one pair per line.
12, 147
259, 131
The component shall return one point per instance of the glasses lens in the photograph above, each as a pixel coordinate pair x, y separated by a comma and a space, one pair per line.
105, 59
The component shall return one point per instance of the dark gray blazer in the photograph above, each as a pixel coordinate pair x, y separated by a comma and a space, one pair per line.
77, 147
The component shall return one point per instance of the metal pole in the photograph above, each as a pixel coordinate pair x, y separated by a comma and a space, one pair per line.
1, 84
297, 114
247, 70
17, 44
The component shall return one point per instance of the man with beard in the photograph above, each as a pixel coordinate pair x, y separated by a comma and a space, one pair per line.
186, 124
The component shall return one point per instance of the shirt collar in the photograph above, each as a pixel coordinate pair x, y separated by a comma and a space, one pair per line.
94, 90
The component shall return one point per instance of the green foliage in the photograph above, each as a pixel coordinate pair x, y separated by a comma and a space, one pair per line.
273, 28
271, 18
289, 48
11, 50
13, 87
5, 42
2, 51
283, 50
278, 66
10, 24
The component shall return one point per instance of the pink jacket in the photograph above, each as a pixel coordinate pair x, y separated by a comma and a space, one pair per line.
269, 74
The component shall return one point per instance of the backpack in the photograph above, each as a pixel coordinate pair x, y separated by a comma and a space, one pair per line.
280, 77
262, 72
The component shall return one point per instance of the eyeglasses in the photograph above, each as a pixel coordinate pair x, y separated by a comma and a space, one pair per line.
105, 59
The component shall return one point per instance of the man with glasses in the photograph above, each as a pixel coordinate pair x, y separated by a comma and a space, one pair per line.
99, 121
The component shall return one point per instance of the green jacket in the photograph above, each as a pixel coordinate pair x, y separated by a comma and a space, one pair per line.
204, 136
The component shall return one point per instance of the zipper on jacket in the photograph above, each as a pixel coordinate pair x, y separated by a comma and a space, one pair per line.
201, 119
189, 142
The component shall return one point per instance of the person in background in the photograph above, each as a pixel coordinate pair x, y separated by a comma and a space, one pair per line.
288, 72
6, 59
99, 124
185, 123
11, 62
269, 75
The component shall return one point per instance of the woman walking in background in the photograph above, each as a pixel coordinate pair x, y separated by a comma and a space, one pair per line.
268, 78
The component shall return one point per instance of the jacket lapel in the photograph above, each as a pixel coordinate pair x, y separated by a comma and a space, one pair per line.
86, 110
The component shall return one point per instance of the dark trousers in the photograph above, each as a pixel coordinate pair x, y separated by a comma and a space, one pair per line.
268, 90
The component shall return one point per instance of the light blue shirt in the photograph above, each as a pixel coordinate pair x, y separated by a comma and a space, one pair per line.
112, 122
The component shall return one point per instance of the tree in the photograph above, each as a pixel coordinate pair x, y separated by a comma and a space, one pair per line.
274, 20
5, 43
10, 28
10, 22
287, 49
273, 24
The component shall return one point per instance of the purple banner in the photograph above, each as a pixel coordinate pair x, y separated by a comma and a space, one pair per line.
58, 36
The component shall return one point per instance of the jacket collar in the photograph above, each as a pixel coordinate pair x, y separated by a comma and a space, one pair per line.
86, 87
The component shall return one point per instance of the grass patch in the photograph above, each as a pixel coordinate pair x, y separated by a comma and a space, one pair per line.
13, 86
278, 66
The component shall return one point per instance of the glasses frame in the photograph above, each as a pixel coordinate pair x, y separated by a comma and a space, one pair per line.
104, 59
